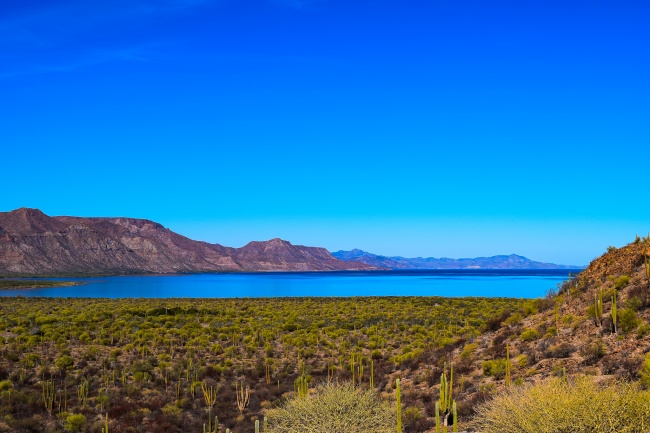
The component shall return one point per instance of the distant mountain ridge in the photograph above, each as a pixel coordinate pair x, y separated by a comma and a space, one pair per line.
33, 244
511, 261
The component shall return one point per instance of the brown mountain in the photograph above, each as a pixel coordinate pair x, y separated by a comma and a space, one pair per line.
32, 243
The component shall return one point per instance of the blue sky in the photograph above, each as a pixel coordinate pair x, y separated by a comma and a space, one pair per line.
415, 128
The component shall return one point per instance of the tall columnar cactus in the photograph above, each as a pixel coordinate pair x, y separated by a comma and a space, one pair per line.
301, 386
48, 394
598, 307
210, 397
105, 428
647, 265
454, 413
360, 369
257, 426
82, 393
614, 312
557, 317
398, 397
372, 374
446, 402
243, 397
507, 368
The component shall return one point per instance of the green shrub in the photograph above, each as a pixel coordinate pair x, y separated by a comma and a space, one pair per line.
644, 373
64, 362
627, 320
75, 422
495, 368
529, 335
621, 282
5, 385
556, 405
334, 408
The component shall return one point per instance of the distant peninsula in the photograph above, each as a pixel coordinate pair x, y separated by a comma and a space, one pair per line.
511, 261
35, 244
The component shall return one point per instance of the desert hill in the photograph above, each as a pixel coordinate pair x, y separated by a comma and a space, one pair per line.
32, 243
564, 334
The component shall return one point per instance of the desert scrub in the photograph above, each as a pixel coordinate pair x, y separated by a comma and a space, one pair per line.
334, 408
561, 406
529, 335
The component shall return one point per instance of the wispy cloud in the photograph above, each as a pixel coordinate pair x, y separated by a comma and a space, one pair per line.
94, 58
297, 4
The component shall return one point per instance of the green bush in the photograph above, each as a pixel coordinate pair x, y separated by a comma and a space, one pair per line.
75, 422
334, 408
556, 405
627, 320
529, 335
495, 368
644, 373
621, 282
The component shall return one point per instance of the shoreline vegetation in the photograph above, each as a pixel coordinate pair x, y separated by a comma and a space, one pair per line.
20, 284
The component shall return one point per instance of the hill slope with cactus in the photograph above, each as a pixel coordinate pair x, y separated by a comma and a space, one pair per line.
595, 325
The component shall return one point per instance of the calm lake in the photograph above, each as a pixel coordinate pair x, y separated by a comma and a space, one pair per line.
493, 283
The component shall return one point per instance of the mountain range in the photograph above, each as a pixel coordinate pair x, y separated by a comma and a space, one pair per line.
34, 244
511, 261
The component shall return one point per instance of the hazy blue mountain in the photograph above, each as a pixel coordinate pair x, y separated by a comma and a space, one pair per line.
511, 261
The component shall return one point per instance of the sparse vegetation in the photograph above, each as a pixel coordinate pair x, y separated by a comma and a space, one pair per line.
9, 284
172, 365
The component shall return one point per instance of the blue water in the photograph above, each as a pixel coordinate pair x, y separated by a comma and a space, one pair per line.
492, 283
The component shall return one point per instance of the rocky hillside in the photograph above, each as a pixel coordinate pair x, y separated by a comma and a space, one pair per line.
511, 261
571, 333
32, 243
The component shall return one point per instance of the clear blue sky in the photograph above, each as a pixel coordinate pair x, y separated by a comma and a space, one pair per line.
416, 128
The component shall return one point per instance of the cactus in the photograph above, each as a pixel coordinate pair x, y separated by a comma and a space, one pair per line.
105, 428
647, 265
243, 397
266, 424
48, 394
507, 368
446, 402
454, 413
614, 311
398, 396
267, 368
598, 307
82, 393
210, 397
360, 369
437, 417
372, 374
557, 317
301, 386
257, 426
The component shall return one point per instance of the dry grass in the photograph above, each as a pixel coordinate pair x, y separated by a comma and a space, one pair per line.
334, 408
576, 406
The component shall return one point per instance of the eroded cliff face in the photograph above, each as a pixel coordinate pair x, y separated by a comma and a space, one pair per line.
32, 243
